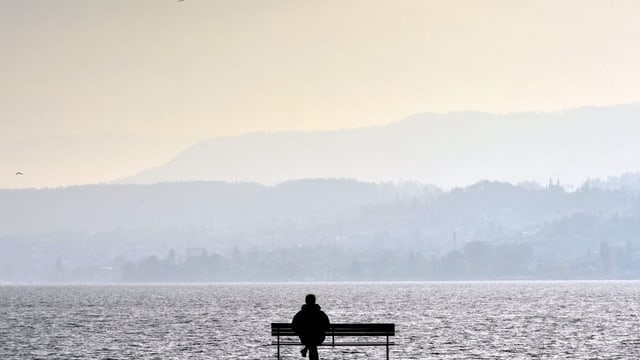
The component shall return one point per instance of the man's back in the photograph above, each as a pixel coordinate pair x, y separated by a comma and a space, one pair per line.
310, 321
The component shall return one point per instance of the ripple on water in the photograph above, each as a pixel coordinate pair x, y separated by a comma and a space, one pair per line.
508, 320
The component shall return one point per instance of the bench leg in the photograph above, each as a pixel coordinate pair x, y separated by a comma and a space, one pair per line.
278, 347
387, 347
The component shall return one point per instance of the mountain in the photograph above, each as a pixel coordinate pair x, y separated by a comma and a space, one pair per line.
445, 149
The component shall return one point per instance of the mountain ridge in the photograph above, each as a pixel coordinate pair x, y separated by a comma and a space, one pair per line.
450, 149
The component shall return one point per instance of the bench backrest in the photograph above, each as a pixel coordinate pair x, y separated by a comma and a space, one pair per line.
377, 329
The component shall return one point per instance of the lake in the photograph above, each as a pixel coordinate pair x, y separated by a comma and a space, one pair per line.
434, 320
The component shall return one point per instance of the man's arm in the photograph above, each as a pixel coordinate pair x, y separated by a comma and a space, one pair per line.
295, 323
326, 321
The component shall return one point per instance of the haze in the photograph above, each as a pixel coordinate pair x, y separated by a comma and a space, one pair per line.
96, 91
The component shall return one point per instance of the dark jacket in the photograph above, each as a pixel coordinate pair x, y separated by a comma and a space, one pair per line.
310, 324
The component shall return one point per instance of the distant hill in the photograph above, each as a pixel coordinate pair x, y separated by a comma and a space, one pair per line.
133, 207
445, 149
629, 182
218, 231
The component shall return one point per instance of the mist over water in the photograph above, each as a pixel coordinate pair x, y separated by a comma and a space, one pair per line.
464, 320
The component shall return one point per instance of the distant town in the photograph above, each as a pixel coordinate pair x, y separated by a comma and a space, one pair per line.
320, 230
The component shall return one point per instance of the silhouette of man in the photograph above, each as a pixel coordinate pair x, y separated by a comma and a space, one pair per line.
310, 324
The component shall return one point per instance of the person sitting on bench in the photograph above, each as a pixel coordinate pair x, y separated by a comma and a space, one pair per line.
310, 324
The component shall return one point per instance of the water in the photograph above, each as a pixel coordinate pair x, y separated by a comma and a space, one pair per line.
510, 320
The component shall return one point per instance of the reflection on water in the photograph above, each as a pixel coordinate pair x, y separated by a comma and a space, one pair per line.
483, 320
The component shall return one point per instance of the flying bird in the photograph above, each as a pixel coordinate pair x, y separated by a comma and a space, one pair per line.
19, 173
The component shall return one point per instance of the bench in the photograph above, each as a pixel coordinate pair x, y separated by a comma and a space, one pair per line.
353, 331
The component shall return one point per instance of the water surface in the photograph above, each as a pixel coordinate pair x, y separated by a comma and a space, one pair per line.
475, 320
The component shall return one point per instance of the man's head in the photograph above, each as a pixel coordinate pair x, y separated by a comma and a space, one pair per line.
310, 299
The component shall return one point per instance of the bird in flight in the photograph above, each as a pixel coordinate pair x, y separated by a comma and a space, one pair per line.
19, 173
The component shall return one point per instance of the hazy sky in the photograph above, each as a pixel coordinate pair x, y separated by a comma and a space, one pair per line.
199, 68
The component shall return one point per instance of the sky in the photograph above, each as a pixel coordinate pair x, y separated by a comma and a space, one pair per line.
170, 73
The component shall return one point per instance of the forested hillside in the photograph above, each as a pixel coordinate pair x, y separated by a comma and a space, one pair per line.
324, 229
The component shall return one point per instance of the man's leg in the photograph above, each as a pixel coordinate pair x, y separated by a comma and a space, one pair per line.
304, 350
313, 353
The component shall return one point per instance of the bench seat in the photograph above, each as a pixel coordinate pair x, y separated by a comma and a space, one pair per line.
352, 331
338, 343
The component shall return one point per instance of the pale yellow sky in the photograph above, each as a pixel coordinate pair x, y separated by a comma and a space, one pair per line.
200, 68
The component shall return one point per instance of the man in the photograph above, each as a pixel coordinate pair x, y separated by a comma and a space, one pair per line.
310, 324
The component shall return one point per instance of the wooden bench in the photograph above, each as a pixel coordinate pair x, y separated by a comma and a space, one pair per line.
353, 331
